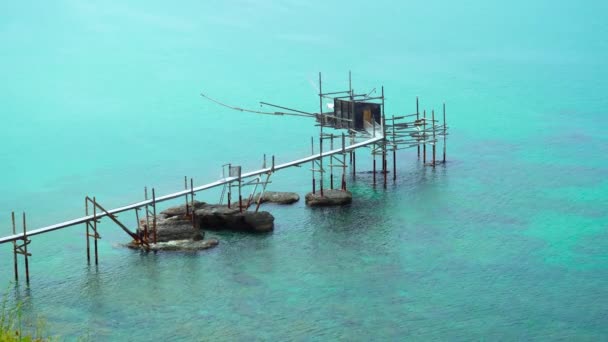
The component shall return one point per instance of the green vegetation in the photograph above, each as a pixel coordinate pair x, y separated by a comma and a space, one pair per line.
13, 326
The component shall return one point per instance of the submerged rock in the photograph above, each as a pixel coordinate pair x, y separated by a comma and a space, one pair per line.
329, 198
278, 197
180, 245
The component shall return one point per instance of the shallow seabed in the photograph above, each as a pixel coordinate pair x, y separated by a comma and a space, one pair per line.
506, 241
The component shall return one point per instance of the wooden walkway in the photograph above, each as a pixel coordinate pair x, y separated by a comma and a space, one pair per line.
223, 181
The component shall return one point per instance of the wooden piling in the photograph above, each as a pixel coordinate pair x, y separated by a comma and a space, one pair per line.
25, 253
354, 163
321, 134
384, 164
321, 164
154, 214
394, 152
434, 140
95, 229
137, 219
374, 167
16, 265
343, 186
312, 152
240, 196
146, 235
186, 188
424, 140
331, 163
444, 133
88, 230
192, 195
147, 226
417, 118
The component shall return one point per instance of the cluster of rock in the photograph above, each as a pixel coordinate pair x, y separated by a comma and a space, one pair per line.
182, 227
177, 224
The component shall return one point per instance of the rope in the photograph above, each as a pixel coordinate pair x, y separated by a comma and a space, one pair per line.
251, 110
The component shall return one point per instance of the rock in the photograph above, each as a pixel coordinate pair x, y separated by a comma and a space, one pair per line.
278, 197
172, 228
180, 245
220, 217
329, 198
181, 209
262, 221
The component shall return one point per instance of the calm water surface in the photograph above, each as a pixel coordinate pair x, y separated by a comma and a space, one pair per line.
507, 241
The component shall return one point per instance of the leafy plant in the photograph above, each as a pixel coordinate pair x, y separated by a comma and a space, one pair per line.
13, 327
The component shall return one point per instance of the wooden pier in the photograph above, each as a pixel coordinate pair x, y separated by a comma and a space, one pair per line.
363, 118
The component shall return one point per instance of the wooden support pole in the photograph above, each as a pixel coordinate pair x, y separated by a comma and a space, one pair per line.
257, 207
137, 220
343, 162
147, 208
384, 164
354, 163
351, 153
192, 195
331, 164
312, 152
88, 231
192, 203
374, 167
15, 248
424, 136
95, 229
186, 188
154, 214
434, 140
25, 253
115, 220
229, 187
444, 133
394, 152
146, 235
240, 196
417, 118
321, 134
321, 164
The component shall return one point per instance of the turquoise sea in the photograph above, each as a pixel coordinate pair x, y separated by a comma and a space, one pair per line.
507, 241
